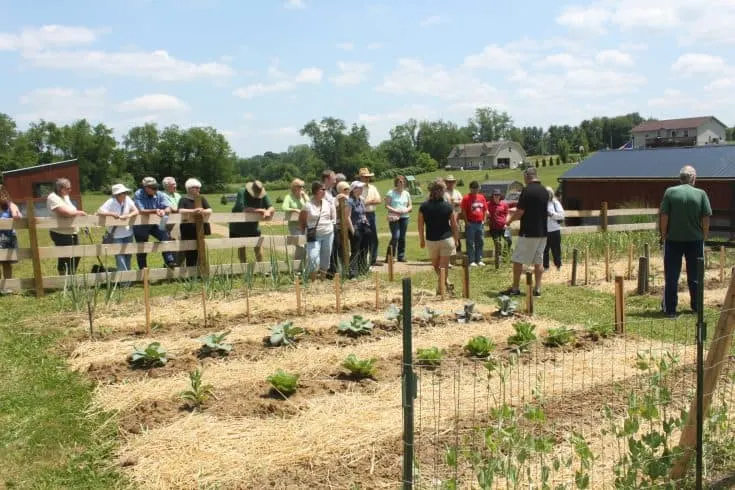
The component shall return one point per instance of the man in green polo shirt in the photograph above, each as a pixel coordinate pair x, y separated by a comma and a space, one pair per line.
685, 212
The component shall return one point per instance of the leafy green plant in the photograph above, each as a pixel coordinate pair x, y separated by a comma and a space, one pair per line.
480, 346
285, 334
283, 382
213, 344
355, 327
154, 355
525, 335
394, 313
430, 356
597, 331
430, 314
359, 368
506, 305
557, 337
198, 393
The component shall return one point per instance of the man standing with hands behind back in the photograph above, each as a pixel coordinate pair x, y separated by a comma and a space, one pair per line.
684, 225
372, 199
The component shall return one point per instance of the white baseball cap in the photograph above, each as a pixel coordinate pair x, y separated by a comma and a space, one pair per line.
119, 189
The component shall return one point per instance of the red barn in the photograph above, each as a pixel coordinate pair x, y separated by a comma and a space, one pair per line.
35, 183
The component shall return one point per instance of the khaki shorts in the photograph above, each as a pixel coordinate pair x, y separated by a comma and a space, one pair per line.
440, 248
529, 250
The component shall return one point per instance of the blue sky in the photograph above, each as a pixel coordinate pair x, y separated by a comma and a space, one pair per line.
259, 70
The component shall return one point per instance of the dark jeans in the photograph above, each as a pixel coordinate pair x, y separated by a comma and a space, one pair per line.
475, 236
141, 233
498, 237
373, 238
673, 252
553, 245
359, 252
398, 239
336, 260
66, 265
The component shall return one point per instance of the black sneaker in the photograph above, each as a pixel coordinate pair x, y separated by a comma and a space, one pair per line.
536, 293
511, 292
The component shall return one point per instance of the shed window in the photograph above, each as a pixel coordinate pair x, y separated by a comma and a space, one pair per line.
673, 134
42, 189
686, 133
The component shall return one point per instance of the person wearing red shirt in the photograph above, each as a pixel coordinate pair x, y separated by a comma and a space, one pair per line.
474, 210
497, 216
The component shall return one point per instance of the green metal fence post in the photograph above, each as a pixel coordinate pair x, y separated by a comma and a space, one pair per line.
408, 387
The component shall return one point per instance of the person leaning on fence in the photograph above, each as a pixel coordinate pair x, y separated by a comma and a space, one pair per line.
252, 199
553, 226
150, 201
474, 211
317, 220
8, 238
360, 231
293, 203
438, 230
343, 193
684, 225
399, 205
372, 200
169, 190
60, 206
119, 206
188, 208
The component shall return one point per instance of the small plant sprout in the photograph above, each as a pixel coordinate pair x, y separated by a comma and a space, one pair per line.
430, 357
198, 392
359, 368
284, 334
597, 331
557, 337
284, 383
507, 306
152, 356
394, 314
525, 335
430, 314
355, 327
213, 344
479, 346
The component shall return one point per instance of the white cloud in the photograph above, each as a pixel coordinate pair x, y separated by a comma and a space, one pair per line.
294, 4
248, 116
562, 60
374, 46
63, 104
614, 57
700, 64
417, 112
154, 103
309, 75
351, 73
673, 98
493, 57
158, 65
721, 84
432, 20
48, 36
655, 16
260, 89
347, 46
590, 18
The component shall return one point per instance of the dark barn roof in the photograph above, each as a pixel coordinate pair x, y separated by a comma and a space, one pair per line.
710, 162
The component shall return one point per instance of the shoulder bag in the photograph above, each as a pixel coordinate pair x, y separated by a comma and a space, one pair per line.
311, 232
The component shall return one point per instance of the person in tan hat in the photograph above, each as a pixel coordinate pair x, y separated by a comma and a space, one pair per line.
454, 198
372, 198
119, 206
251, 199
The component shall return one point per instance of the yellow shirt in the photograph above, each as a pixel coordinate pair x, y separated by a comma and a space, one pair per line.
372, 194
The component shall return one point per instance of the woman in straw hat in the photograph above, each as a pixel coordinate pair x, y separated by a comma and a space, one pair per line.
317, 221
360, 231
119, 206
251, 199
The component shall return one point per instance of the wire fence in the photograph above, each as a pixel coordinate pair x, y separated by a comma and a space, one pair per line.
558, 408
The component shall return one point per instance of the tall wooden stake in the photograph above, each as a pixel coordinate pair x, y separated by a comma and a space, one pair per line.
603, 216
465, 277
587, 266
35, 255
722, 263
298, 296
442, 283
338, 292
575, 259
345, 237
642, 266
202, 260
377, 291
630, 262
147, 302
204, 302
619, 305
607, 263
529, 293
247, 303
390, 264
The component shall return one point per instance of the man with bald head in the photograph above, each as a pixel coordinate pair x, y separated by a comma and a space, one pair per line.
684, 225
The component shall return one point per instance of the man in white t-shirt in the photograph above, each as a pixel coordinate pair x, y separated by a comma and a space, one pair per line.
454, 197
371, 196
60, 206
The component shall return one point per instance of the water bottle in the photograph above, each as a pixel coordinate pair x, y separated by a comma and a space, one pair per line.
507, 234
162, 224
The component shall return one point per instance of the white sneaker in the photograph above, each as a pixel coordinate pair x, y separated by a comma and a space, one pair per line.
481, 263
473, 264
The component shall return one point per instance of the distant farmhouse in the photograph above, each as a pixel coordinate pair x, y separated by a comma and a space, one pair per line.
480, 156
691, 131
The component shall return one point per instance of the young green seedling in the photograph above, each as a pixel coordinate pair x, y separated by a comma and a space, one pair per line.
152, 356
480, 346
525, 335
430, 357
284, 334
199, 392
556, 337
213, 344
283, 382
359, 368
355, 327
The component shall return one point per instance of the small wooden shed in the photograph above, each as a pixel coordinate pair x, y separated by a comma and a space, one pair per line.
37, 182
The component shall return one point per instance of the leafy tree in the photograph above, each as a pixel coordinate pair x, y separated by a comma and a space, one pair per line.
563, 150
488, 124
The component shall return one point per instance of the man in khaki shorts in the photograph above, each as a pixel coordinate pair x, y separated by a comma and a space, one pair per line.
532, 211
439, 222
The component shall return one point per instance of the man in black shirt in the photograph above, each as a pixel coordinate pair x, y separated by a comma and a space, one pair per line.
532, 211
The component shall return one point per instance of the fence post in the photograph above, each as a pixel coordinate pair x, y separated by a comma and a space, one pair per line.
529, 293
630, 262
147, 301
204, 302
646, 251
338, 292
718, 352
722, 265
642, 266
575, 258
35, 255
298, 296
390, 264
202, 260
377, 291
607, 263
603, 216
465, 277
587, 266
345, 236
408, 385
442, 283
619, 305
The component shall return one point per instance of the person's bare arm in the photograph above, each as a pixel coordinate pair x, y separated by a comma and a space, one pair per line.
15, 211
664, 225
705, 227
302, 221
455, 228
410, 204
422, 239
68, 212
515, 216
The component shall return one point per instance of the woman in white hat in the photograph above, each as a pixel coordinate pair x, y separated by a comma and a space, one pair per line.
119, 206
187, 206
360, 231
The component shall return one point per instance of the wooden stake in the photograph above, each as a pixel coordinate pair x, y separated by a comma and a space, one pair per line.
619, 305
377, 291
647, 251
204, 302
718, 352
607, 263
338, 292
603, 216
529, 293
575, 259
442, 283
587, 266
722, 264
345, 237
390, 264
465, 277
630, 262
642, 266
247, 303
298, 296
147, 301
202, 260
35, 255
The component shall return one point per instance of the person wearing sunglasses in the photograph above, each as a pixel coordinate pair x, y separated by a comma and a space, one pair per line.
317, 220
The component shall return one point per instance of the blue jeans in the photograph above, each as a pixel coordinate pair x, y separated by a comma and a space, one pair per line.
673, 252
141, 233
123, 261
398, 238
319, 253
475, 234
373, 255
